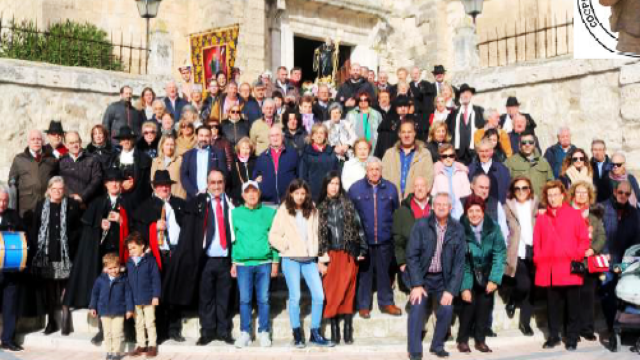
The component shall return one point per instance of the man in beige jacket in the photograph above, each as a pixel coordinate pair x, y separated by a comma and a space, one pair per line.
407, 160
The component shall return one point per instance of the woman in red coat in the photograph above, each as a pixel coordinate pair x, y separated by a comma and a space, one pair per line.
559, 237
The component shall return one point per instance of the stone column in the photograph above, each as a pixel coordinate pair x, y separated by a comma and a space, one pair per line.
161, 55
465, 48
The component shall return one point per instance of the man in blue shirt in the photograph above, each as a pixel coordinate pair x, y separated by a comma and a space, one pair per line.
197, 163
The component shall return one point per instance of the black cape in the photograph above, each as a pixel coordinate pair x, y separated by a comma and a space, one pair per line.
151, 210
87, 264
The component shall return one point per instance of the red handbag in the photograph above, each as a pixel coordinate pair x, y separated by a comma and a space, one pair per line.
598, 264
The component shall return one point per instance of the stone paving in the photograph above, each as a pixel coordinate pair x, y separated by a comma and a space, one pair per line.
507, 346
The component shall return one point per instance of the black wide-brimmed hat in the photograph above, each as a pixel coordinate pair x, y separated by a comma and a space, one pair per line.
512, 101
438, 70
402, 100
125, 133
162, 177
55, 127
112, 174
466, 87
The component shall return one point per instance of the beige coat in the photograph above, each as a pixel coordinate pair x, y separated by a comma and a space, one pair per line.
422, 165
513, 241
285, 238
174, 171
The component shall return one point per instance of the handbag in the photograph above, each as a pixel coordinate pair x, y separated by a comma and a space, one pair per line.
577, 267
597, 264
480, 276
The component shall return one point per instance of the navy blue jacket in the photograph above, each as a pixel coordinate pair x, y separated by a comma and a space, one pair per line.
315, 165
251, 110
622, 233
144, 279
361, 194
555, 155
499, 176
602, 182
274, 183
111, 298
177, 111
422, 247
189, 168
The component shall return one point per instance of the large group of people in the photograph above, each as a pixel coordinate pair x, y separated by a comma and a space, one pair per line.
412, 186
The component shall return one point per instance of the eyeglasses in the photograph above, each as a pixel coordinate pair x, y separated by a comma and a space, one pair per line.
149, 133
184, 126
521, 188
448, 156
555, 195
216, 182
625, 193
364, 100
577, 158
618, 164
527, 142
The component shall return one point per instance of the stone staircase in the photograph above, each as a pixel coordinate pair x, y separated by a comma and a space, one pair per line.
377, 327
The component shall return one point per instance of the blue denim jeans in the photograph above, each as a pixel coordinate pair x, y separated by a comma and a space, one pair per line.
292, 270
249, 277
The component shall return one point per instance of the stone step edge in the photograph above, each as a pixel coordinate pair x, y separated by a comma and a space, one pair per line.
394, 344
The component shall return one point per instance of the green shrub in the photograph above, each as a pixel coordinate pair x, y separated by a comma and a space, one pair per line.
68, 43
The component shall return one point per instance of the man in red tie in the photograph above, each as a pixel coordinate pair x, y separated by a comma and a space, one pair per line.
215, 278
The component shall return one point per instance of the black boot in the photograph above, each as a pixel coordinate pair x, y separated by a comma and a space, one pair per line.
52, 324
335, 330
298, 339
97, 340
317, 339
66, 321
348, 329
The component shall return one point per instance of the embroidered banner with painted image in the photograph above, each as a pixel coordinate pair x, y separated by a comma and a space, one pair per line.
212, 51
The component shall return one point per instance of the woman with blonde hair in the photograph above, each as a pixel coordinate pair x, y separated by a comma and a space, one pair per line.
169, 160
440, 112
438, 135
244, 162
355, 168
186, 137
318, 159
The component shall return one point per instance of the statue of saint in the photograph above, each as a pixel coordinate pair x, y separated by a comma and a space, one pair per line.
325, 61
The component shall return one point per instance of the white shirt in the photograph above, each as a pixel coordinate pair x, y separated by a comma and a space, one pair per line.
486, 166
113, 200
173, 229
523, 211
126, 157
508, 124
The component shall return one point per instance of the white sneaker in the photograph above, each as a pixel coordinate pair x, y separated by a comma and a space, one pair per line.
265, 341
243, 340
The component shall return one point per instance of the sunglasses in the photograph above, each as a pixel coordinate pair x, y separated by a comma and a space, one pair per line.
618, 164
625, 193
578, 158
521, 188
364, 100
234, 112
149, 133
527, 142
448, 156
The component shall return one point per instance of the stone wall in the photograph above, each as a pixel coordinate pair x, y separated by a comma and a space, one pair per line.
595, 98
34, 93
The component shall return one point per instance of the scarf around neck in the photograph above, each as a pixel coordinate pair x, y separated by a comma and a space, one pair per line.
41, 262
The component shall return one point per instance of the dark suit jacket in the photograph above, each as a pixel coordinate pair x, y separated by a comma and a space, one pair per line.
189, 169
177, 111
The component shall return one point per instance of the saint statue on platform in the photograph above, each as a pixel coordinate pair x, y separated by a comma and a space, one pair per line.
325, 61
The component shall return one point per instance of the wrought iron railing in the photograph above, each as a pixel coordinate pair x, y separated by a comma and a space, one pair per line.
528, 40
26, 41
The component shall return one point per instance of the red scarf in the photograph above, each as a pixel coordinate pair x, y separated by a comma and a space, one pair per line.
124, 232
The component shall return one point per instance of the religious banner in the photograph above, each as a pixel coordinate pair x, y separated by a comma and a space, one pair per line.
213, 51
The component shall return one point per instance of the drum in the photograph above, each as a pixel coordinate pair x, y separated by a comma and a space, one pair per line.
13, 251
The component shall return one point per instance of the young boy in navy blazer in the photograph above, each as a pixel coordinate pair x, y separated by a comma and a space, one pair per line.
112, 300
144, 279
